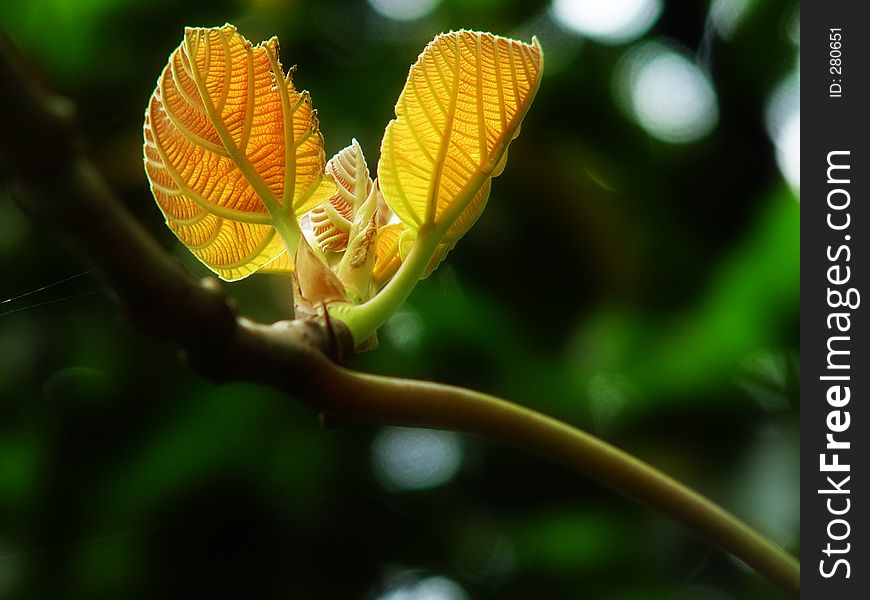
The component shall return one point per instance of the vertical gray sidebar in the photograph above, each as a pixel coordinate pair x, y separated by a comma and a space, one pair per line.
835, 362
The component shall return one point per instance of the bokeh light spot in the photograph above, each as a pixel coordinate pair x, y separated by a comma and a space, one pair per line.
609, 396
788, 150
764, 377
430, 588
666, 93
764, 489
407, 458
727, 16
783, 120
404, 329
610, 21
404, 10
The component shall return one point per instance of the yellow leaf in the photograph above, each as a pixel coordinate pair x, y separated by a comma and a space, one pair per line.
462, 105
331, 221
391, 252
230, 147
460, 227
387, 259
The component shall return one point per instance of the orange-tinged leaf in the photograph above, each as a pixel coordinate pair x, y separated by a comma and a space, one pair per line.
282, 265
462, 105
331, 222
387, 259
230, 143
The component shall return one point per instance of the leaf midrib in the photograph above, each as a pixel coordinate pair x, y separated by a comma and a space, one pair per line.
267, 197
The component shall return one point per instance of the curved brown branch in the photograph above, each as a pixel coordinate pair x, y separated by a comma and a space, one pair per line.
56, 184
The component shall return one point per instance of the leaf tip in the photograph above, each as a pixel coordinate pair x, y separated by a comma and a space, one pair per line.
539, 52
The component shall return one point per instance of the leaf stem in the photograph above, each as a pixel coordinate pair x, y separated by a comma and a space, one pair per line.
287, 227
364, 319
353, 395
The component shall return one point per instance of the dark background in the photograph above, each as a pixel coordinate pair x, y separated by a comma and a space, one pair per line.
643, 289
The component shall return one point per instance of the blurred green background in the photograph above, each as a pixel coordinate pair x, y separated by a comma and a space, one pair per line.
636, 273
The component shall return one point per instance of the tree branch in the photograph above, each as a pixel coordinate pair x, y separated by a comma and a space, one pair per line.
57, 184
361, 396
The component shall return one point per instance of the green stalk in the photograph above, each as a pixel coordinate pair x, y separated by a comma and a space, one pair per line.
349, 394
364, 319
287, 227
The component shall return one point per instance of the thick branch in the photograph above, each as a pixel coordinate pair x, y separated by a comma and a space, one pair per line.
56, 184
